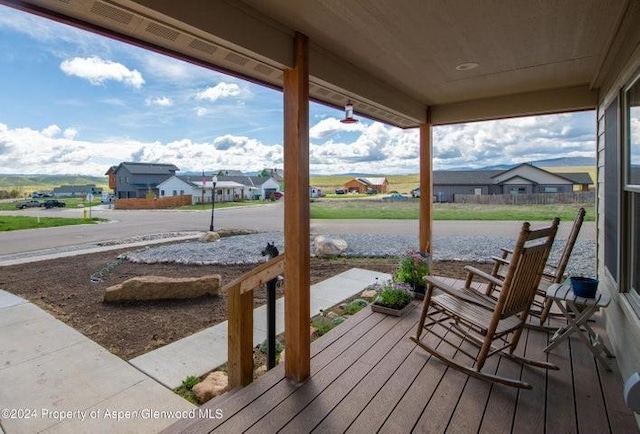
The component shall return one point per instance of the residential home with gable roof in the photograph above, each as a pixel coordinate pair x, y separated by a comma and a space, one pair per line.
363, 185
131, 180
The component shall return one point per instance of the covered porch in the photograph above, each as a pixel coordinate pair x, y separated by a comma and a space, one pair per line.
415, 64
367, 376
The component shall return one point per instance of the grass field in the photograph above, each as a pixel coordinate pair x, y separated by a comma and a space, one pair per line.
14, 223
71, 202
374, 209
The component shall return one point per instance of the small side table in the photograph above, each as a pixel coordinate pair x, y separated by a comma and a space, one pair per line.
578, 310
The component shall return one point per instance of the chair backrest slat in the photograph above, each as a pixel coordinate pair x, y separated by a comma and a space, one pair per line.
568, 246
525, 269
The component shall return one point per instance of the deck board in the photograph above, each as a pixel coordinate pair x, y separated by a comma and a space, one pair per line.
367, 376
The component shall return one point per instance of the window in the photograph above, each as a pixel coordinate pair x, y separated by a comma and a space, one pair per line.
551, 189
161, 192
175, 192
631, 152
181, 192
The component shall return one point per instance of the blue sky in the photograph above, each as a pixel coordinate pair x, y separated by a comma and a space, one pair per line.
72, 102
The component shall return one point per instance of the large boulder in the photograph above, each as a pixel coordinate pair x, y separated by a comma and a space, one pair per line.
329, 246
210, 237
158, 287
215, 384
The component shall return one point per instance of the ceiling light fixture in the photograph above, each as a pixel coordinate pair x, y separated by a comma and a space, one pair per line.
348, 114
467, 66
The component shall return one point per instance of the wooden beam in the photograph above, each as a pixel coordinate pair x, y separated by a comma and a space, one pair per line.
257, 276
240, 337
426, 186
297, 248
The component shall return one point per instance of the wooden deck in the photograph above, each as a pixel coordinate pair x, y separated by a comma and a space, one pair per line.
367, 376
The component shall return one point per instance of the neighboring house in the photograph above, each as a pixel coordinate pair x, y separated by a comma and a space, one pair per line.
522, 179
76, 190
130, 180
362, 185
256, 187
228, 188
230, 173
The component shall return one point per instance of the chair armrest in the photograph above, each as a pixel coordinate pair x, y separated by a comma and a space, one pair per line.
486, 276
500, 260
506, 251
465, 294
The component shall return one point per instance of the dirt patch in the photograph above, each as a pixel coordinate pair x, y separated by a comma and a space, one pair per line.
63, 287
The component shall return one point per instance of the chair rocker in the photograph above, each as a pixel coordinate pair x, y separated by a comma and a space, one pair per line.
491, 326
552, 274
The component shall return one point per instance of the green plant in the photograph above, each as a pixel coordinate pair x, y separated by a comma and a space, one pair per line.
412, 269
279, 347
190, 381
355, 306
393, 295
322, 325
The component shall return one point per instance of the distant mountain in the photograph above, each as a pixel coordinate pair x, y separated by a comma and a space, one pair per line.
46, 181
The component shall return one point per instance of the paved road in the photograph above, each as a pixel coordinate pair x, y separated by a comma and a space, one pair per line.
268, 217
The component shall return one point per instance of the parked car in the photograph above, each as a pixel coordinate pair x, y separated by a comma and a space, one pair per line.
341, 191
415, 192
53, 203
277, 195
29, 204
395, 197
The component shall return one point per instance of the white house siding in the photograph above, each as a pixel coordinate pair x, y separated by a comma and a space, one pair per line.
623, 322
174, 186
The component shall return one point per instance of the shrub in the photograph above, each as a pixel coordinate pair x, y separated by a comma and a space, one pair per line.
279, 347
190, 381
393, 295
412, 269
355, 306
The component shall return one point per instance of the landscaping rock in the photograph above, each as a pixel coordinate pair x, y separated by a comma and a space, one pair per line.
158, 287
332, 315
215, 384
329, 246
210, 237
369, 293
261, 370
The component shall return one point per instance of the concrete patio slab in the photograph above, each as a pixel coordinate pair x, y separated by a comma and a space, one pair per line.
206, 350
54, 371
7, 299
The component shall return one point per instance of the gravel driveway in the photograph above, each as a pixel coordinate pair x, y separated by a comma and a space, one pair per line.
246, 249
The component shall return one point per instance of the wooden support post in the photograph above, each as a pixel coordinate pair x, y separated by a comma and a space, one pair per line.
426, 186
240, 337
297, 248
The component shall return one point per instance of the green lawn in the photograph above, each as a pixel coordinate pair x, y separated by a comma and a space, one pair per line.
71, 203
372, 209
14, 223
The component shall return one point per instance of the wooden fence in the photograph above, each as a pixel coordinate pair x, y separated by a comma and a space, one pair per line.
527, 199
156, 203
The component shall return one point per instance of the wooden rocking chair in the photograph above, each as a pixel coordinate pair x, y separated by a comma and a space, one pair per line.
552, 274
474, 317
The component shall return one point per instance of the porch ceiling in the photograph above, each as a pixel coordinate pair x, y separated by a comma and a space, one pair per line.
392, 58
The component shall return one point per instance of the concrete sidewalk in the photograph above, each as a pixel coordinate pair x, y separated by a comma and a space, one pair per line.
206, 350
52, 377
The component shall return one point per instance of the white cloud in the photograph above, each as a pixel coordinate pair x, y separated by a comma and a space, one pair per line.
201, 111
329, 126
161, 101
220, 90
376, 149
97, 71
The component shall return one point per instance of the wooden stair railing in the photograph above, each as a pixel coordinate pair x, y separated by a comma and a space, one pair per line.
240, 329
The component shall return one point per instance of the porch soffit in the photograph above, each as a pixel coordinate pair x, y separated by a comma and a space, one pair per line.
391, 58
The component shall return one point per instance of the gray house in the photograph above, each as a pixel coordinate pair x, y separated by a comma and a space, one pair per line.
522, 179
130, 180
76, 190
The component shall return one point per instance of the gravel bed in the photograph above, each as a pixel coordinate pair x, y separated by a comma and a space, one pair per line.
246, 249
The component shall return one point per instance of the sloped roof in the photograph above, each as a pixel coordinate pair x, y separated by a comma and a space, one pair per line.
249, 181
464, 177
577, 177
148, 168
371, 181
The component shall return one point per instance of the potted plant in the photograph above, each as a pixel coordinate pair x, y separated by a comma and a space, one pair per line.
393, 298
412, 269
